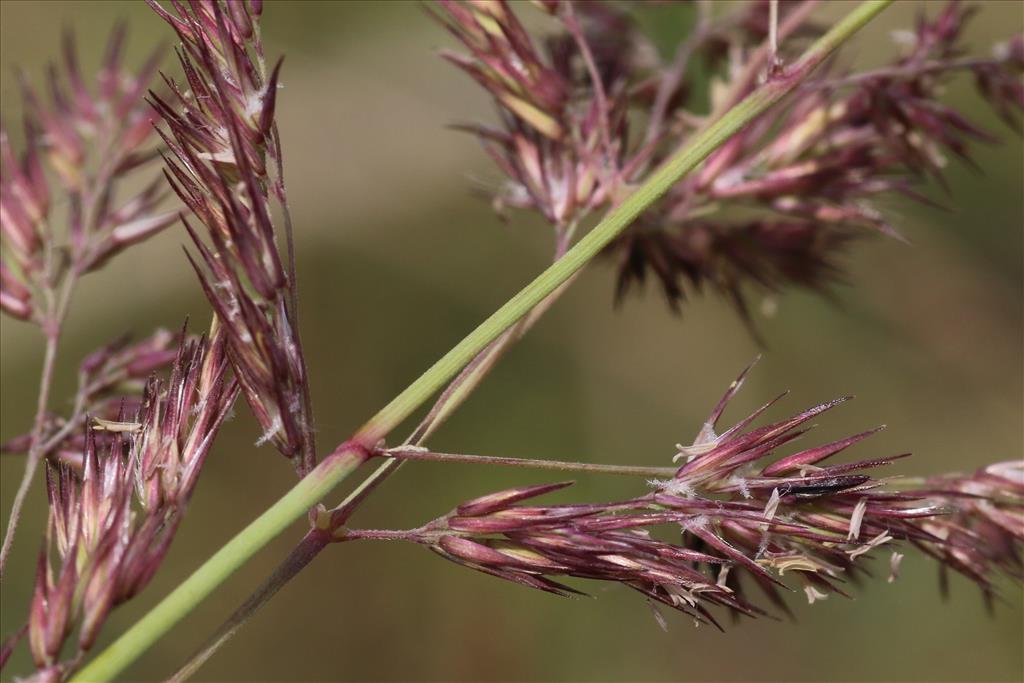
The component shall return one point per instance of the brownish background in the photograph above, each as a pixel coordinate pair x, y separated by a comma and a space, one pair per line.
398, 262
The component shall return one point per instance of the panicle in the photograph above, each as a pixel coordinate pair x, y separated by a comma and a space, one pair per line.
224, 164
803, 177
112, 523
79, 144
743, 514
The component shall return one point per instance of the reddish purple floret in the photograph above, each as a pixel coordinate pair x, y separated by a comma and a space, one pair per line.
225, 165
112, 522
741, 513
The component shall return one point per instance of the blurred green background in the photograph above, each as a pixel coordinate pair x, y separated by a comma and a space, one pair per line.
398, 261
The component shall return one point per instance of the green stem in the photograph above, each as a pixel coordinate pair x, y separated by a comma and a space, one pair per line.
316, 540
339, 465
303, 553
224, 562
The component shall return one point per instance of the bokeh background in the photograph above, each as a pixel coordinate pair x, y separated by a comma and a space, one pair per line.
398, 261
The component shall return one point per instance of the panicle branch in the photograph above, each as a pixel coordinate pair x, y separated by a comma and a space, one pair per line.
743, 514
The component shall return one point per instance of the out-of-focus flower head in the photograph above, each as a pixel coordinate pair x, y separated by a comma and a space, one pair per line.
699, 254
111, 523
79, 146
813, 169
225, 165
776, 205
